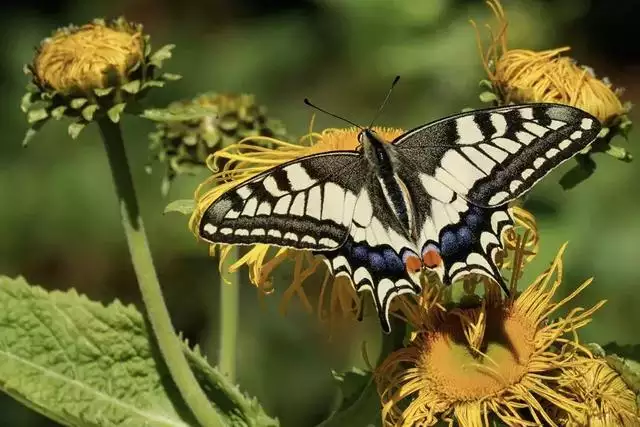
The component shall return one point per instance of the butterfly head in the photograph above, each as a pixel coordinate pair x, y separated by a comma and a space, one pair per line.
370, 139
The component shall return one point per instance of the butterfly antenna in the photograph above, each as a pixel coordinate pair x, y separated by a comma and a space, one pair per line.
386, 98
306, 101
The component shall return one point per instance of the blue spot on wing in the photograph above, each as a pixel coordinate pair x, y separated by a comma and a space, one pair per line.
459, 240
448, 243
359, 254
393, 262
376, 261
473, 221
464, 236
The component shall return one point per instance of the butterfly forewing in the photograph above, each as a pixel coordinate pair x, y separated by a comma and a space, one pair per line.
491, 157
304, 204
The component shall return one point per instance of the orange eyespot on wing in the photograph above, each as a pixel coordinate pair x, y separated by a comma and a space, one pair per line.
431, 258
413, 264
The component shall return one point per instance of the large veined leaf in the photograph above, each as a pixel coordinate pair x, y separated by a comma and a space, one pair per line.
85, 364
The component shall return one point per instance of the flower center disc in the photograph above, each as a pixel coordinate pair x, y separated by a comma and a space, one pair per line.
460, 373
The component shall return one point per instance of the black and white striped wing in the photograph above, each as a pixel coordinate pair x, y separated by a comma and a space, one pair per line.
374, 253
307, 203
466, 237
327, 203
493, 156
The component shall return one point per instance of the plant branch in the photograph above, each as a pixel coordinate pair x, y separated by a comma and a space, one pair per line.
157, 312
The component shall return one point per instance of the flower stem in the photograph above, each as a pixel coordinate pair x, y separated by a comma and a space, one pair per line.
157, 312
229, 306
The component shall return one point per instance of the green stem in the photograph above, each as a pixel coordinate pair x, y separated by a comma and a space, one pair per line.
169, 343
229, 305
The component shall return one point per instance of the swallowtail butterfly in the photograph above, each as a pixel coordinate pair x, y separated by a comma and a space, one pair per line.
434, 198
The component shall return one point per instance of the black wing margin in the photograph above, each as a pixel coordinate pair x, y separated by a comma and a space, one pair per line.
493, 156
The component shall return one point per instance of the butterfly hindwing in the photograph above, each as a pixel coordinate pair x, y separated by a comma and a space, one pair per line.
466, 237
493, 156
374, 252
304, 204
472, 244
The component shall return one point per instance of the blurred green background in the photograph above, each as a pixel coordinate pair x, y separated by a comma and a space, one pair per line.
59, 222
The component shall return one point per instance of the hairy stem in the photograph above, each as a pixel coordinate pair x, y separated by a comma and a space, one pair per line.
229, 306
157, 313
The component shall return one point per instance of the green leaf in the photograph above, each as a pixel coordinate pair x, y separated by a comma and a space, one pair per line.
85, 364
170, 76
603, 133
99, 91
183, 206
32, 87
115, 112
89, 111
190, 139
486, 84
132, 87
152, 83
25, 102
78, 102
74, 129
619, 153
179, 114
165, 186
32, 131
625, 127
488, 97
58, 112
37, 115
161, 55
48, 95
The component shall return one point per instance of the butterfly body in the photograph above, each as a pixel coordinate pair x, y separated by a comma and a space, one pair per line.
434, 198
384, 162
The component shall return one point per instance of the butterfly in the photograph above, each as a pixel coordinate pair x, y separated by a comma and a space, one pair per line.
435, 198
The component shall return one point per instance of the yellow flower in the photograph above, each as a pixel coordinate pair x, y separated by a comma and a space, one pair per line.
337, 300
505, 357
88, 72
520, 75
83, 59
610, 402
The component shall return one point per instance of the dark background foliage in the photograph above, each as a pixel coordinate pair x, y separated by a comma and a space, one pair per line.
59, 222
